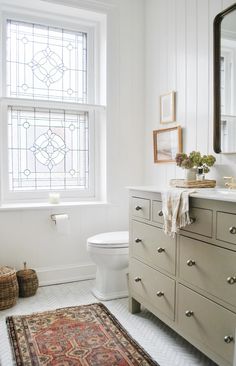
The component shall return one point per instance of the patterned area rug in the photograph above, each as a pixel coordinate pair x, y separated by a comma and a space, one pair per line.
87, 335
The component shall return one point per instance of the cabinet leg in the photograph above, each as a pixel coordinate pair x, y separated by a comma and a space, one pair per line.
134, 306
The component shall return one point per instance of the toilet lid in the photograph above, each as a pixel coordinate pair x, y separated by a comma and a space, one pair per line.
112, 239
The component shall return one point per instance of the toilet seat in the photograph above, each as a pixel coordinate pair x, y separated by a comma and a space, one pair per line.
116, 239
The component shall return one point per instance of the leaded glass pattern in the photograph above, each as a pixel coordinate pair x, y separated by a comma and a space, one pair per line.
46, 63
47, 149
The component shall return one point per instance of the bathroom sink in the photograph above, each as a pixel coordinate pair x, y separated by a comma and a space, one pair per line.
224, 194
225, 191
228, 192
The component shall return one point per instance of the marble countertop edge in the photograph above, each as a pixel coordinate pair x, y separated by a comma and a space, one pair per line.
217, 193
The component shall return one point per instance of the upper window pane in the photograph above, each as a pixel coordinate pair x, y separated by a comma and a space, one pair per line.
46, 63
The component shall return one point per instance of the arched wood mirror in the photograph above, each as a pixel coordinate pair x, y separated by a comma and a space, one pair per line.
225, 81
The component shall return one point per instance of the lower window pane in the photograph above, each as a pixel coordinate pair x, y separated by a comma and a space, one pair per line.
47, 149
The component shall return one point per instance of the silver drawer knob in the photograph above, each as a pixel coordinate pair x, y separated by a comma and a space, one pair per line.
228, 339
161, 250
189, 313
191, 262
137, 279
138, 208
137, 240
232, 230
231, 280
160, 213
160, 293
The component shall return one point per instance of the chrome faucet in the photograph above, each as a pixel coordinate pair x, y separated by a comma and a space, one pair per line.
230, 182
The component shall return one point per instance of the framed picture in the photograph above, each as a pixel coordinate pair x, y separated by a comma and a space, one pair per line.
167, 143
167, 107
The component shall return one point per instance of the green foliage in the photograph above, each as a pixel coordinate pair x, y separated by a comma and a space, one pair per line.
195, 160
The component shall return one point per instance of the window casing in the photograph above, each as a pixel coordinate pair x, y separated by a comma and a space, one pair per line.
48, 109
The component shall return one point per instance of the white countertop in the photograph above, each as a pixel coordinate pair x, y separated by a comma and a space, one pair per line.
218, 193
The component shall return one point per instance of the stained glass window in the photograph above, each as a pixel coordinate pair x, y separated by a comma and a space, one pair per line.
47, 149
46, 63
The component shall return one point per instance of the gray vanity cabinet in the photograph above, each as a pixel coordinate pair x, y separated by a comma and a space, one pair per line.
189, 281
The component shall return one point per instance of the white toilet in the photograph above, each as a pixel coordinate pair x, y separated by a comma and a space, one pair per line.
110, 253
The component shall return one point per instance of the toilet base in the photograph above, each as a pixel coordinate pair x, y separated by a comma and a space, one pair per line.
110, 284
111, 296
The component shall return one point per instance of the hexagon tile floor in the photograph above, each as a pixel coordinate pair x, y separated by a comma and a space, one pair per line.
164, 345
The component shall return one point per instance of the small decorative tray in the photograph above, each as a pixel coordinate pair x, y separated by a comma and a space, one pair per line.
183, 183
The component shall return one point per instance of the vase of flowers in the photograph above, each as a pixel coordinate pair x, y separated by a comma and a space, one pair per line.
190, 174
194, 162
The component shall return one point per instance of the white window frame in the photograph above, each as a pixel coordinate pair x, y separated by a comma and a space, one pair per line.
94, 111
42, 194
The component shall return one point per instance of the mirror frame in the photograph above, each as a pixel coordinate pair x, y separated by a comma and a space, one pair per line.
216, 70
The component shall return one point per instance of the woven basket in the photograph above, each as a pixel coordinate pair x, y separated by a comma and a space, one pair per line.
27, 281
8, 287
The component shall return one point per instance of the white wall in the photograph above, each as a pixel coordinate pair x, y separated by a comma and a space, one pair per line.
30, 234
179, 53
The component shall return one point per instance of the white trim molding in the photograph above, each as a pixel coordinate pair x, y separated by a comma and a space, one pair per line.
63, 274
94, 5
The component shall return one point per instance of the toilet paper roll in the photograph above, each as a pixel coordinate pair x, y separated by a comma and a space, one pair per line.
62, 223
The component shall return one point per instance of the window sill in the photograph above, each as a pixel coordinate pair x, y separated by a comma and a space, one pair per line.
42, 206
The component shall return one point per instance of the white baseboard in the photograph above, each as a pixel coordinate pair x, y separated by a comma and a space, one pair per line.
68, 273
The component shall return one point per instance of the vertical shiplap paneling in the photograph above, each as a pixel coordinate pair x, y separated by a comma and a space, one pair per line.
171, 62
163, 50
202, 75
227, 3
181, 70
171, 31
181, 61
215, 6
152, 90
163, 57
191, 66
156, 81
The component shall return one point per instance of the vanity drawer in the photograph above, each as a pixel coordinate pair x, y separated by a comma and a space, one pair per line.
209, 267
209, 324
141, 208
151, 245
157, 215
154, 287
202, 221
226, 227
